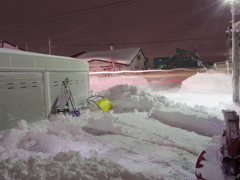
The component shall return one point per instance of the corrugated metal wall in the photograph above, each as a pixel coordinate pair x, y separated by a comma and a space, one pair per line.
78, 83
22, 97
30, 83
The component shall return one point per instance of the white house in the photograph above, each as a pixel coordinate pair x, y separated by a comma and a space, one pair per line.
115, 60
31, 82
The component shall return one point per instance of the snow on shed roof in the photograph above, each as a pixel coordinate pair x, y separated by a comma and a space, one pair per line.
123, 56
16, 52
14, 59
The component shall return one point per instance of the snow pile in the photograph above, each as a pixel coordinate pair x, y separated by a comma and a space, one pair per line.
103, 82
14, 135
197, 118
208, 83
61, 149
64, 165
103, 125
146, 136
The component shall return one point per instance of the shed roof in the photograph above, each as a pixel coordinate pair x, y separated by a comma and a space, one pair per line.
15, 59
16, 52
123, 56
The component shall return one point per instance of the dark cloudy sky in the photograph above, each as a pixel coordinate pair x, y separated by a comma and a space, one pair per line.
157, 26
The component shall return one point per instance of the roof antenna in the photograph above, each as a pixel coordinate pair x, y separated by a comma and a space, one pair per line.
49, 45
195, 48
111, 47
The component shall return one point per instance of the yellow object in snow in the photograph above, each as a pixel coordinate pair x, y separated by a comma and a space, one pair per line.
104, 104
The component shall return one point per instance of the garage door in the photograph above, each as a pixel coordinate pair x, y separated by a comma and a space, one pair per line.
22, 97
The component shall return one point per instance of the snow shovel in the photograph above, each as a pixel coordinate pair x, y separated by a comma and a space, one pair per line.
102, 103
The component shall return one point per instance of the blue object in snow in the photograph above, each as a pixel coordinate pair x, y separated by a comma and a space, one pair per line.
76, 113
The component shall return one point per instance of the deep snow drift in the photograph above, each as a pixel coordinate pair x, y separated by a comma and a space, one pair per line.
146, 136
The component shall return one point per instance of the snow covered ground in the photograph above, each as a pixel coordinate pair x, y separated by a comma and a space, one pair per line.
148, 135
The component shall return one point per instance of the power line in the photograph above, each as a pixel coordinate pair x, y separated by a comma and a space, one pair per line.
1, 10
198, 24
133, 43
123, 3
63, 34
86, 9
188, 16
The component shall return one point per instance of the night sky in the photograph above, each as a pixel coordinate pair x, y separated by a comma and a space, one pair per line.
157, 26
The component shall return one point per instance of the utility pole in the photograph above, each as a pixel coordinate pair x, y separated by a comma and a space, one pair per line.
49, 46
26, 47
235, 54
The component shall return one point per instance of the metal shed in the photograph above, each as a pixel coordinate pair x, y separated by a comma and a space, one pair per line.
31, 82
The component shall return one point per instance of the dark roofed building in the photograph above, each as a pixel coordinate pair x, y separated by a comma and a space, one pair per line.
159, 63
182, 59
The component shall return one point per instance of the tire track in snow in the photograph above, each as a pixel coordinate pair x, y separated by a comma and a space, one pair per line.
195, 153
171, 144
159, 160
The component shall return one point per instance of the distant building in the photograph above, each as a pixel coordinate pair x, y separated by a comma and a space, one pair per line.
115, 60
159, 63
182, 59
5, 44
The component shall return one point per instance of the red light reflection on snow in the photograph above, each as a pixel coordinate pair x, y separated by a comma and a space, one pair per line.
135, 82
138, 72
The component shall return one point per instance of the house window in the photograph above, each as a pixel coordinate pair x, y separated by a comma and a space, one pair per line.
138, 57
184, 57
